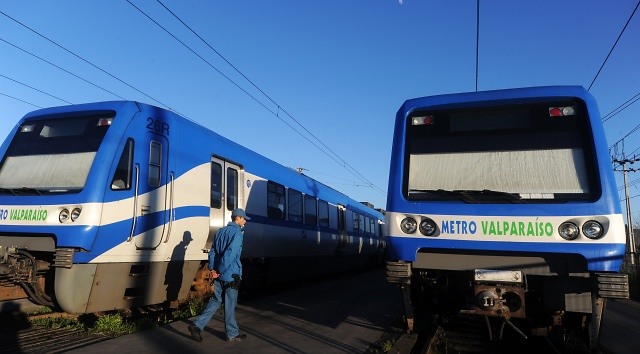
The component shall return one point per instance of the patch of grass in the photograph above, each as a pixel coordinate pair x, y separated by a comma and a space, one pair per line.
41, 311
122, 322
57, 322
113, 325
389, 337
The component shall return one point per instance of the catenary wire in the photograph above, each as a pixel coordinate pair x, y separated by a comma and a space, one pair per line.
86, 61
280, 108
614, 45
33, 88
95, 66
60, 68
621, 107
335, 156
17, 99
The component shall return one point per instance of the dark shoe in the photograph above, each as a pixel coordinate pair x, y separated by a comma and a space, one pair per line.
195, 333
238, 338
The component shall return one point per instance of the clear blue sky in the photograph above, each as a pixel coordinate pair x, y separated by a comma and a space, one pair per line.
339, 68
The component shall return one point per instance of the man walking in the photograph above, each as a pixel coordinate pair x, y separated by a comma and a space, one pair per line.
226, 270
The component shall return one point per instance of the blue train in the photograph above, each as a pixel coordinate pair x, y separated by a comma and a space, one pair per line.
113, 205
503, 204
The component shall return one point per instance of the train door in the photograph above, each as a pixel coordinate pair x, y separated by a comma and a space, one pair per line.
226, 194
152, 185
140, 184
342, 229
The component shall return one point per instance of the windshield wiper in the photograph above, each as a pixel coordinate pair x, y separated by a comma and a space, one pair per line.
443, 193
7, 191
494, 195
472, 195
23, 191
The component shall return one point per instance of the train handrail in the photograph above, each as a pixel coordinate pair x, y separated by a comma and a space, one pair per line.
172, 177
135, 204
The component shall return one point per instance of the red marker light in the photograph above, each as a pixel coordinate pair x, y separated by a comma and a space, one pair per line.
103, 122
428, 120
555, 112
425, 120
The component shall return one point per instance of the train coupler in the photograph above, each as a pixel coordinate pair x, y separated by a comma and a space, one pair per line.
498, 293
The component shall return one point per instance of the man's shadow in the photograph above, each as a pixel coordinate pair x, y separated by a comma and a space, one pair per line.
12, 320
174, 275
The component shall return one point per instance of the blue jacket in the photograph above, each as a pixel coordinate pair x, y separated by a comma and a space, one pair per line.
225, 252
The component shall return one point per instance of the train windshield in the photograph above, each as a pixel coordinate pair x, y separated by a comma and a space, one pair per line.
521, 153
52, 155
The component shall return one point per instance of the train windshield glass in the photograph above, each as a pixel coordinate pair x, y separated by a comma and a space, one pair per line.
519, 153
52, 155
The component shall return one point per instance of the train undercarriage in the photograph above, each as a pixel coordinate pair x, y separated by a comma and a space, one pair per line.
50, 278
26, 275
565, 307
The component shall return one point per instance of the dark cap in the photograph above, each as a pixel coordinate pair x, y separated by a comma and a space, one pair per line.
239, 212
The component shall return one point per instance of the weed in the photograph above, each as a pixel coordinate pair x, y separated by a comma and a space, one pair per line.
122, 322
113, 325
56, 322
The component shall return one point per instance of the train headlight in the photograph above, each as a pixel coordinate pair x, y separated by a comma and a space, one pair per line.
64, 215
75, 214
592, 229
409, 225
568, 231
427, 227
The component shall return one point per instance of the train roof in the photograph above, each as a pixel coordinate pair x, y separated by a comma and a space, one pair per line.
499, 95
257, 162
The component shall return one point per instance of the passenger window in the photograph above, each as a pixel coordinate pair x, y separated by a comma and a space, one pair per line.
373, 227
275, 200
323, 213
356, 223
232, 188
367, 225
310, 210
155, 158
216, 185
295, 205
342, 223
122, 177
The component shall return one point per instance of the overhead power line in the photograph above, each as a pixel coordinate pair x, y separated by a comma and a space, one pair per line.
280, 108
614, 45
62, 69
622, 139
85, 60
621, 107
324, 149
17, 99
33, 88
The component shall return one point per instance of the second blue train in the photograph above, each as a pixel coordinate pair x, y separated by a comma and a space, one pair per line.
502, 204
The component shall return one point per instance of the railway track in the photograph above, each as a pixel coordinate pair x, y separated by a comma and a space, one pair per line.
468, 335
38, 339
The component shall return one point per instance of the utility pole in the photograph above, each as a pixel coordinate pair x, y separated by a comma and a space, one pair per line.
632, 242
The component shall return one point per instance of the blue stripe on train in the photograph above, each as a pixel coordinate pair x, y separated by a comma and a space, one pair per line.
600, 256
